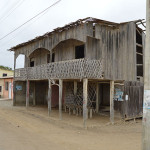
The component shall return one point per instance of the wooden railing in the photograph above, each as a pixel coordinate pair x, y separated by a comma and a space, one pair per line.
71, 69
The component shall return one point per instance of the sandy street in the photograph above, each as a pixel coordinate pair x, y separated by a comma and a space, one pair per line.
32, 129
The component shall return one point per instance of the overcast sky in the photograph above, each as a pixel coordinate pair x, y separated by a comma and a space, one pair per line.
63, 13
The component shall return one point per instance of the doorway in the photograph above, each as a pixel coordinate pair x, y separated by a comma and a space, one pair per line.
104, 100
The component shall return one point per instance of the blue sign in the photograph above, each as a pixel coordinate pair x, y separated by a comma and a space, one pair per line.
18, 87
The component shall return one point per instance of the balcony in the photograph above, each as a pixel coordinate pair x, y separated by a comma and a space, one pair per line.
71, 69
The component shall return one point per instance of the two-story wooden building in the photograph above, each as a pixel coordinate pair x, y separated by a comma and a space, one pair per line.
90, 65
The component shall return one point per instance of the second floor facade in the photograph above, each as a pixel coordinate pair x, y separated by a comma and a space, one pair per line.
89, 48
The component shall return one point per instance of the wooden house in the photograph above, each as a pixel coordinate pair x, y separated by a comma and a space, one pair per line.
86, 67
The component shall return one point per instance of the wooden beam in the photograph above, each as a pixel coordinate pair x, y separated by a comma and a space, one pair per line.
139, 53
140, 45
97, 97
60, 98
85, 99
27, 93
112, 102
49, 96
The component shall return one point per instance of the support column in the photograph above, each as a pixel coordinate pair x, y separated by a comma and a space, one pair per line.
146, 102
14, 83
97, 97
75, 87
49, 96
112, 102
60, 98
85, 99
34, 103
27, 93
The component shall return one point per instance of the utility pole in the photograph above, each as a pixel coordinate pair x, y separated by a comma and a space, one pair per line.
146, 103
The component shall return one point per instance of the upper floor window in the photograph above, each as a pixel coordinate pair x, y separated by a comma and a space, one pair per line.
0, 88
32, 62
53, 57
4, 74
48, 58
79, 52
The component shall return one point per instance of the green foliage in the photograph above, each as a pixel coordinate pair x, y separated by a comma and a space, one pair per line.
5, 68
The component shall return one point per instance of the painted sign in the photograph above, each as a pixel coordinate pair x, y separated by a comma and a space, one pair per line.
118, 95
19, 88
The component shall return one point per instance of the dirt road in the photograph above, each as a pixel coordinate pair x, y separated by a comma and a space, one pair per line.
22, 129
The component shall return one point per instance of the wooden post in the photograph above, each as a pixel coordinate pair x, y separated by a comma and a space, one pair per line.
14, 83
85, 99
97, 97
49, 96
75, 87
34, 103
27, 93
75, 111
146, 102
112, 102
60, 98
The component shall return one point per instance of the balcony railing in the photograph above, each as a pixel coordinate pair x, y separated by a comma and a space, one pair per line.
71, 69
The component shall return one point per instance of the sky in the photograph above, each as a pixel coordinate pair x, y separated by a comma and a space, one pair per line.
15, 12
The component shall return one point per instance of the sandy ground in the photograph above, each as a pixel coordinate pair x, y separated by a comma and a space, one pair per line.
32, 129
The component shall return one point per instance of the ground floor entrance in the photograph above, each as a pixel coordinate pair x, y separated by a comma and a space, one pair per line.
86, 98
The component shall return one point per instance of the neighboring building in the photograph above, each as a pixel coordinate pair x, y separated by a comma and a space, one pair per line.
90, 64
6, 73
6, 84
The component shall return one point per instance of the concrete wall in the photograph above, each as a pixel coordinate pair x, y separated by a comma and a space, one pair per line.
2, 85
5, 93
66, 50
9, 73
21, 94
39, 57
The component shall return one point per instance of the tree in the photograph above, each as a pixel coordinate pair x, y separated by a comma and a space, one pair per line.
5, 68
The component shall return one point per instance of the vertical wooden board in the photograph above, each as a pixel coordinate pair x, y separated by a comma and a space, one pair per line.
93, 50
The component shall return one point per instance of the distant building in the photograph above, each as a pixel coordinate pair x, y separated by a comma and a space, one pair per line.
6, 84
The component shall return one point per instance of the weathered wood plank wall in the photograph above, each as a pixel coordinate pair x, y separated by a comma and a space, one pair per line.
77, 32
115, 45
118, 46
133, 106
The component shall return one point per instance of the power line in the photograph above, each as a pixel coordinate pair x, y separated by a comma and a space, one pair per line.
11, 10
30, 19
23, 29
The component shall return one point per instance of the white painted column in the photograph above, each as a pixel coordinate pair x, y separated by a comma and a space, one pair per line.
60, 98
85, 99
112, 102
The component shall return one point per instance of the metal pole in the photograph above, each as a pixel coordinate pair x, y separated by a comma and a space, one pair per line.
146, 103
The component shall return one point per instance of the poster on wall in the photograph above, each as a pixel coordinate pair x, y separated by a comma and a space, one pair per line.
118, 96
146, 103
19, 88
